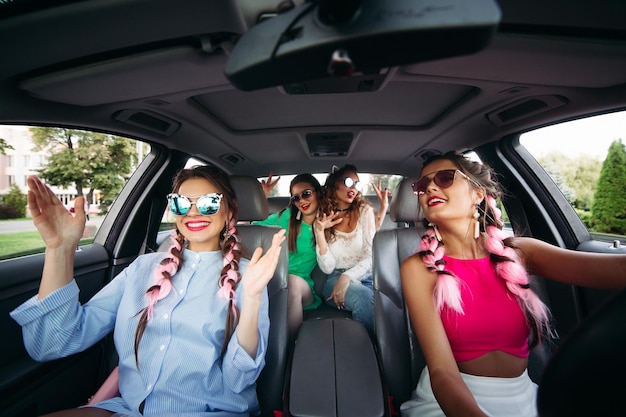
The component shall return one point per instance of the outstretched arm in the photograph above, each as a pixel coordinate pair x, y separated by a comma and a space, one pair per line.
60, 232
599, 270
257, 275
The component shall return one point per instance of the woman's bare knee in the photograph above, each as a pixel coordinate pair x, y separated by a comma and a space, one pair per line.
299, 290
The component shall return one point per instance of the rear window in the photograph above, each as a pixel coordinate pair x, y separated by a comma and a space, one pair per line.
386, 181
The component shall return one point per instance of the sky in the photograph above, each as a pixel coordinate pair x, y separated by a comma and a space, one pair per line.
591, 136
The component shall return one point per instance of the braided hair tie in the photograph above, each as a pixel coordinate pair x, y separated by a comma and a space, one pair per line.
447, 289
230, 277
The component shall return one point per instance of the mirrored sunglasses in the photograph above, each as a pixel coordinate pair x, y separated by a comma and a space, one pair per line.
207, 204
304, 195
350, 183
443, 179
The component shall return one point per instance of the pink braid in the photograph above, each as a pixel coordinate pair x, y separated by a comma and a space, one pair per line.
162, 286
511, 270
230, 272
162, 278
447, 290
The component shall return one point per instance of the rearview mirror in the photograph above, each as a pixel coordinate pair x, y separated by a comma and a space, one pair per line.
329, 38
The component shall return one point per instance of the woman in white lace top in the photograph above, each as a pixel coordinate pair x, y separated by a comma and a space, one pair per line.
344, 234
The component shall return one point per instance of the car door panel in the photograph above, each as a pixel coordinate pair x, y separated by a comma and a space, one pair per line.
28, 387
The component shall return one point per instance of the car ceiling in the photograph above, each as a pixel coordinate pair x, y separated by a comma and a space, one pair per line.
155, 70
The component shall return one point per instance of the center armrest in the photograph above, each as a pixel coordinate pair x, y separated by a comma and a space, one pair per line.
335, 371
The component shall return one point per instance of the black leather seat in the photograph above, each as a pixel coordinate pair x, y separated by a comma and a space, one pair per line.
399, 353
253, 206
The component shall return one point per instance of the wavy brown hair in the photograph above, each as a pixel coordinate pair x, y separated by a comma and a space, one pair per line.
328, 203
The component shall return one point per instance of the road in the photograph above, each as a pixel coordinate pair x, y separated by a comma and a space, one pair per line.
14, 226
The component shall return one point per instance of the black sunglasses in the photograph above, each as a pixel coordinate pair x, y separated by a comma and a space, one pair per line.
304, 195
350, 183
443, 179
207, 204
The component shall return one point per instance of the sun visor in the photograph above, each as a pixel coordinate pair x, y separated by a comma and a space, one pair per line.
344, 38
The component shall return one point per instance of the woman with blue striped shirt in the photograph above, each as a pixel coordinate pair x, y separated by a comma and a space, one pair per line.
190, 325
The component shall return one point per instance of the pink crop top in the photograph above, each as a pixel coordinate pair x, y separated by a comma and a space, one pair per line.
493, 318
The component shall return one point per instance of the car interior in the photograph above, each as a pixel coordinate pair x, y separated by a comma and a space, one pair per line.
297, 86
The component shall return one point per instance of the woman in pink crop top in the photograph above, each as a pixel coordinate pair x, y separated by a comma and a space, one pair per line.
468, 295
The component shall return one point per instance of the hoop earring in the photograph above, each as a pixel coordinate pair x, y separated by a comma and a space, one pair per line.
436, 229
476, 223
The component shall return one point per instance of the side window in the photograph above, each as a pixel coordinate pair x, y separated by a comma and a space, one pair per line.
587, 160
72, 163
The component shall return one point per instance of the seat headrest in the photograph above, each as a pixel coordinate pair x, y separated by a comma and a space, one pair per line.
251, 198
403, 205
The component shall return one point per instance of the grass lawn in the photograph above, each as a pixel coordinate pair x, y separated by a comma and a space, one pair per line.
17, 244
21, 243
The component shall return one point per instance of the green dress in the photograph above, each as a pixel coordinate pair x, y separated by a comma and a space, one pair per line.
303, 260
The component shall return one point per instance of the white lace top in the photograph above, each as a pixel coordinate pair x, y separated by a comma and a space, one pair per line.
351, 251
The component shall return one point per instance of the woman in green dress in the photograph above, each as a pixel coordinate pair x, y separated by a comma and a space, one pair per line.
297, 219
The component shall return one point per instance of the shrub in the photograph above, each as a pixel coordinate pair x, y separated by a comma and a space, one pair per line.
8, 212
16, 200
609, 202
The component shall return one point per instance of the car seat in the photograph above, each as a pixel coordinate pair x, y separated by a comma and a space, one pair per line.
253, 206
399, 352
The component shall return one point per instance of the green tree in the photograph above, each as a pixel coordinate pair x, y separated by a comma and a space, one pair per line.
555, 164
4, 146
608, 209
16, 200
88, 160
575, 176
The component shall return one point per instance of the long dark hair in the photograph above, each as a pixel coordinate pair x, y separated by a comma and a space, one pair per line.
329, 204
231, 251
295, 221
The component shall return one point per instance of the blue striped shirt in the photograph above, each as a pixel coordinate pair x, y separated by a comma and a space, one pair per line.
180, 369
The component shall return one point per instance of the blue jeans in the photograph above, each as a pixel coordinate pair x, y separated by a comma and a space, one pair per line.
359, 299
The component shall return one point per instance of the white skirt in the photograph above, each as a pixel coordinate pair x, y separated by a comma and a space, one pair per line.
496, 397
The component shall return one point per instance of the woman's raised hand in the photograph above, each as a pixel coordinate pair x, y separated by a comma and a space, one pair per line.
261, 269
382, 194
55, 224
269, 185
327, 221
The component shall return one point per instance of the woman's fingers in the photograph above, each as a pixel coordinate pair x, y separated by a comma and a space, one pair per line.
262, 266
